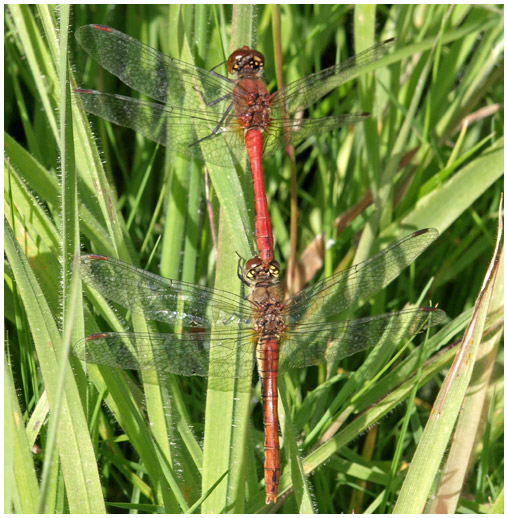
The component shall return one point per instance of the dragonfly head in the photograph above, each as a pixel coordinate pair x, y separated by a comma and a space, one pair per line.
246, 61
258, 272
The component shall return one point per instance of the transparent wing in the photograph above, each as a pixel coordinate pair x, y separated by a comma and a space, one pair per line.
200, 134
187, 354
330, 296
306, 91
311, 344
164, 300
149, 71
208, 137
297, 130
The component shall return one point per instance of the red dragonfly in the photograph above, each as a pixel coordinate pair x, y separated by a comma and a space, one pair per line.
211, 117
280, 335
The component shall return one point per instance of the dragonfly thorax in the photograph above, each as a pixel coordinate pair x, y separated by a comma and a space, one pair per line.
270, 322
252, 103
269, 311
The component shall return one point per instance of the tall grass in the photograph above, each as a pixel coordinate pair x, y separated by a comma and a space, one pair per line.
83, 438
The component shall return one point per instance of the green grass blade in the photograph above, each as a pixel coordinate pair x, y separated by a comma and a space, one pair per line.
438, 431
74, 446
463, 189
21, 491
470, 421
295, 467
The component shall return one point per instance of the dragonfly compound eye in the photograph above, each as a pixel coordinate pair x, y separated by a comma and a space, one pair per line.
251, 267
274, 269
236, 60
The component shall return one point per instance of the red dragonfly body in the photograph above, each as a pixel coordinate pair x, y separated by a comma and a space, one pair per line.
270, 326
298, 332
252, 109
211, 117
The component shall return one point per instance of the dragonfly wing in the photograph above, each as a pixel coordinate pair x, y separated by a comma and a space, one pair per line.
330, 296
297, 130
193, 133
312, 344
161, 299
149, 71
187, 354
306, 91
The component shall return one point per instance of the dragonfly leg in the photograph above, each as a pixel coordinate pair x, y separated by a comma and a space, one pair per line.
216, 129
239, 271
212, 71
215, 101
223, 98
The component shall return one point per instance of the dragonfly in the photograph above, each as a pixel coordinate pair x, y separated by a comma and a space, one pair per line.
262, 328
205, 115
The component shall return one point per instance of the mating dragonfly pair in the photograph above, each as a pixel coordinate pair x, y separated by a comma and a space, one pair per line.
201, 115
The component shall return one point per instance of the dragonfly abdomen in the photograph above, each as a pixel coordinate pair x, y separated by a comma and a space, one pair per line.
267, 356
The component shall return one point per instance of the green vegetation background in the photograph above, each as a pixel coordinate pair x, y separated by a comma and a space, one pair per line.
430, 156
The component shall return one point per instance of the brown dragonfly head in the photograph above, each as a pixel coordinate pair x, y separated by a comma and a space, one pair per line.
260, 273
246, 62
